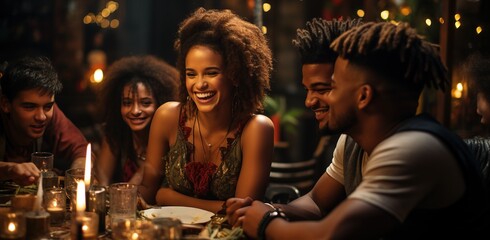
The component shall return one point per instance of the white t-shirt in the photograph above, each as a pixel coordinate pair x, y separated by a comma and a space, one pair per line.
406, 171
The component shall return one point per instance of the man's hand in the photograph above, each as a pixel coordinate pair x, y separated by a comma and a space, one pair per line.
23, 173
253, 216
235, 208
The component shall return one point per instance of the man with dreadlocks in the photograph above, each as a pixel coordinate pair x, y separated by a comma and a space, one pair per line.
317, 59
407, 177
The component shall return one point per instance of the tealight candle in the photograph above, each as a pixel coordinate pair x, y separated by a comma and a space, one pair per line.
90, 225
55, 204
12, 225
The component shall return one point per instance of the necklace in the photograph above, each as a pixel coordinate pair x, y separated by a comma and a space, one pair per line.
203, 141
142, 157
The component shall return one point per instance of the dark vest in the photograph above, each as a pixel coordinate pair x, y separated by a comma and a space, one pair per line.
464, 219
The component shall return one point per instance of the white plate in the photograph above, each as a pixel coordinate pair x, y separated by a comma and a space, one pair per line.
187, 215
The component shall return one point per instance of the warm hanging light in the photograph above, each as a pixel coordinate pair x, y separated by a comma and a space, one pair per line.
360, 13
458, 92
384, 14
428, 22
457, 16
457, 24
405, 11
479, 30
266, 7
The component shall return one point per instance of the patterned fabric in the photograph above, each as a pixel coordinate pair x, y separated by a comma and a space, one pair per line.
222, 180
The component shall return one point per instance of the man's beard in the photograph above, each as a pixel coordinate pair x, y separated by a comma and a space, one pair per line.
346, 122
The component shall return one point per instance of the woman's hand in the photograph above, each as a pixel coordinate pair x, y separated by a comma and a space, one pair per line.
235, 209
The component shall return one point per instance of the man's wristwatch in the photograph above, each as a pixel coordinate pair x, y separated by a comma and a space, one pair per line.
268, 217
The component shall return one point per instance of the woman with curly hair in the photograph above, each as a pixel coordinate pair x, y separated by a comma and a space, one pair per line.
133, 89
214, 143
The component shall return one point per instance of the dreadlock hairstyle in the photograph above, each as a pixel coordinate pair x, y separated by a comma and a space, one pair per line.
313, 42
246, 55
395, 52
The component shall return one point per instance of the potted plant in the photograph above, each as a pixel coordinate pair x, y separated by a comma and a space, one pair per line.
282, 117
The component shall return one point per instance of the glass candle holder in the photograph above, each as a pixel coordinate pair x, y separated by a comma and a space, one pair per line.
96, 202
54, 201
87, 222
168, 228
133, 229
12, 225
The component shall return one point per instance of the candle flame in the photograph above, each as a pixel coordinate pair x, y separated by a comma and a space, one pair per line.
88, 166
55, 203
12, 227
80, 197
134, 236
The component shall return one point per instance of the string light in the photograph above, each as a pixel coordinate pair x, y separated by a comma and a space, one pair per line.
457, 24
478, 30
264, 29
457, 16
360, 13
101, 18
406, 11
266, 7
385, 14
458, 92
428, 22
441, 20
114, 23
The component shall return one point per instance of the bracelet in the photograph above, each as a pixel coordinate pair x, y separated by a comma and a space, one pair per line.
268, 217
270, 205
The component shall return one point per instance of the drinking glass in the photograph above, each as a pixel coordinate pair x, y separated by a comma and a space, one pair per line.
73, 175
123, 199
42, 160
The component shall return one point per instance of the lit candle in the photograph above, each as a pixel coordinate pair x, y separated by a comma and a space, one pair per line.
80, 197
12, 225
55, 203
89, 221
88, 166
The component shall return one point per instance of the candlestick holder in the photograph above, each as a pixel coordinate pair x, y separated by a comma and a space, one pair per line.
12, 225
